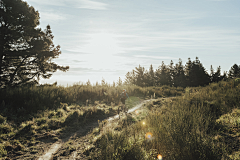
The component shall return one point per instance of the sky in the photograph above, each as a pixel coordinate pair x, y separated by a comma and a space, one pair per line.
105, 39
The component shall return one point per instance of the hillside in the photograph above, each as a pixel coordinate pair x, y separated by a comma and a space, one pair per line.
196, 123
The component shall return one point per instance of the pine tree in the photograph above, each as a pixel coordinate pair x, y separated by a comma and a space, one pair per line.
26, 52
234, 72
171, 73
130, 78
188, 68
163, 76
216, 76
149, 79
179, 79
140, 76
151, 76
211, 74
196, 74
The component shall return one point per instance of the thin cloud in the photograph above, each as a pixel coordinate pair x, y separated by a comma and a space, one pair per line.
86, 4
48, 16
154, 57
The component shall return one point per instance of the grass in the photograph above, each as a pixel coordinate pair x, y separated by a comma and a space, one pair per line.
133, 101
202, 124
47, 127
28, 111
29, 101
229, 127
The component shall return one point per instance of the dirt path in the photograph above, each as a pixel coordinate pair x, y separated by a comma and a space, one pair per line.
48, 155
82, 135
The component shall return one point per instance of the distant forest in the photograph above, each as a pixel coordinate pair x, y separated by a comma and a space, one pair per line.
193, 74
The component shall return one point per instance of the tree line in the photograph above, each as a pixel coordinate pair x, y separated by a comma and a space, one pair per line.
27, 53
192, 74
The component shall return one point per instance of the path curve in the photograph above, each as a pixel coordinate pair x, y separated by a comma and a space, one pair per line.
57, 145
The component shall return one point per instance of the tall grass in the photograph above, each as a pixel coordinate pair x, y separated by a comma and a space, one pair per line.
22, 103
182, 128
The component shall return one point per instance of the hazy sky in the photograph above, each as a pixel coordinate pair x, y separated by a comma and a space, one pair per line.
108, 38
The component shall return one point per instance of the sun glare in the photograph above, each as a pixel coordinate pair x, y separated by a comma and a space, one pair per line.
102, 43
101, 49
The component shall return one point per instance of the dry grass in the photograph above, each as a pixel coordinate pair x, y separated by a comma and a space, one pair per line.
202, 124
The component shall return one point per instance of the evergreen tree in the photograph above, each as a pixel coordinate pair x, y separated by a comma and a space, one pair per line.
26, 52
224, 76
149, 77
216, 76
188, 68
163, 76
171, 73
234, 72
140, 76
196, 74
211, 73
130, 78
179, 78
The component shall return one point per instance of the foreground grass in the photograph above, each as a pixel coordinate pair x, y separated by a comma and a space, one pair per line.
30, 138
202, 124
40, 113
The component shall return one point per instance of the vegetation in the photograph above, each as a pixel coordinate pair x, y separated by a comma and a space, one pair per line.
50, 111
28, 138
202, 124
191, 123
26, 52
22, 103
193, 74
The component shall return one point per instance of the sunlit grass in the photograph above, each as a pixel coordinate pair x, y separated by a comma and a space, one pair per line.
186, 127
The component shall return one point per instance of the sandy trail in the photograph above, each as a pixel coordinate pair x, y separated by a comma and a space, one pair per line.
48, 155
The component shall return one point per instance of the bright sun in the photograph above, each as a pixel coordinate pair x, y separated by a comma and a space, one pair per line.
102, 49
102, 43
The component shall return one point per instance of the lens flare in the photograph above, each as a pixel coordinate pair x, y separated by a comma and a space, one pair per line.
148, 135
137, 112
159, 157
